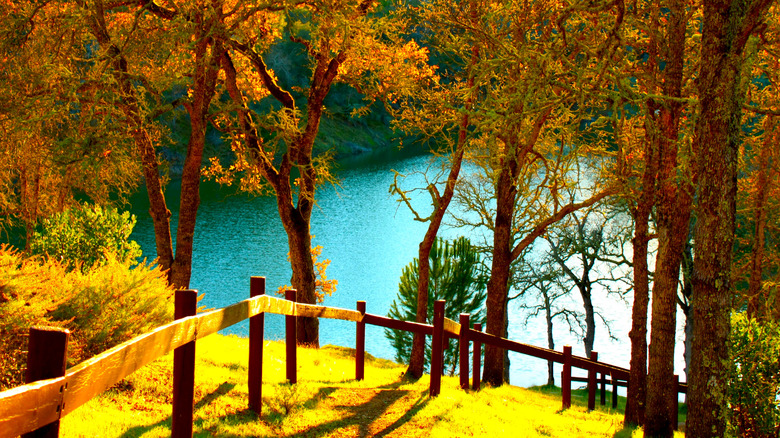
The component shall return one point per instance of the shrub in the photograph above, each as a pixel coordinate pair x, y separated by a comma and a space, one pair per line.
754, 384
456, 276
85, 236
102, 307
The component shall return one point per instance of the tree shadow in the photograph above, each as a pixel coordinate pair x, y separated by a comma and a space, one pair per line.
138, 431
362, 416
365, 414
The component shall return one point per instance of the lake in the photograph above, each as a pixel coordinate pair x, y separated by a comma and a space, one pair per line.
369, 237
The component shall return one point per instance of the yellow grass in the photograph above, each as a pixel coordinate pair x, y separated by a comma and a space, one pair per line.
327, 402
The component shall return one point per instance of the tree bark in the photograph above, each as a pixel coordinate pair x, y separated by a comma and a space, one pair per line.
550, 340
674, 209
637, 381
498, 284
208, 53
727, 26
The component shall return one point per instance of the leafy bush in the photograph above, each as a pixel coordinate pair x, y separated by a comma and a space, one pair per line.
102, 307
456, 277
754, 386
85, 235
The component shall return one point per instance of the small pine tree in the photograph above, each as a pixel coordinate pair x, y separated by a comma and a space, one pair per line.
457, 276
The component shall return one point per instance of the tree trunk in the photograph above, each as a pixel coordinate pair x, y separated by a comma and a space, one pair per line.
590, 317
498, 284
726, 28
637, 381
756, 301
131, 107
208, 54
550, 341
441, 203
303, 278
674, 209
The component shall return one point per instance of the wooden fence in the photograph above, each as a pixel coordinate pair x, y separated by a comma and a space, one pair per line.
34, 409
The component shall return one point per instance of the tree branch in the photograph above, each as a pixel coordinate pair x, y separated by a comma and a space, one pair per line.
563, 212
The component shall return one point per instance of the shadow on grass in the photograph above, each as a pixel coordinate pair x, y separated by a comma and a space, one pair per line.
138, 431
365, 414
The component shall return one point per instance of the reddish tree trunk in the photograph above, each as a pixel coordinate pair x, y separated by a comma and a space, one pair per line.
207, 61
637, 384
497, 288
674, 209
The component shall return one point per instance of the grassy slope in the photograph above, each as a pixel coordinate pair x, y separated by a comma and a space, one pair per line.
327, 402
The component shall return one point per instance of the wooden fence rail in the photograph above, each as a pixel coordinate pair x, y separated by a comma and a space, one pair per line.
38, 404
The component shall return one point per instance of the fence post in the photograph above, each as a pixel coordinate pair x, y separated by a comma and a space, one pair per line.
291, 339
566, 378
47, 354
185, 304
614, 392
360, 343
463, 349
436, 347
603, 395
673, 406
594, 356
256, 323
477, 361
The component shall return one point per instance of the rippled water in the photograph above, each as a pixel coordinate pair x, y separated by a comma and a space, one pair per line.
368, 237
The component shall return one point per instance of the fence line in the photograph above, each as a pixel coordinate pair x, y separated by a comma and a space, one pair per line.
35, 405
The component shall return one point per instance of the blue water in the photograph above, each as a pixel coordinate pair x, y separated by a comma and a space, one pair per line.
369, 237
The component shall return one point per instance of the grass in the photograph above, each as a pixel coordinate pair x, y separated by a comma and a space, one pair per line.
327, 402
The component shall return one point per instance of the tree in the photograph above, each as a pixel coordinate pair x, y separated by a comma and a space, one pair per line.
586, 242
726, 28
653, 131
456, 277
57, 141
421, 113
534, 90
275, 149
542, 291
130, 54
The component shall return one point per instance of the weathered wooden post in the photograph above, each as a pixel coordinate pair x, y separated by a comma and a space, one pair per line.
291, 339
47, 354
436, 347
566, 378
477, 361
360, 343
185, 304
603, 395
594, 356
463, 349
256, 323
614, 392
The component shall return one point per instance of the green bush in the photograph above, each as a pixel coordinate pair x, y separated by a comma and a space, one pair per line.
102, 307
754, 384
456, 277
85, 236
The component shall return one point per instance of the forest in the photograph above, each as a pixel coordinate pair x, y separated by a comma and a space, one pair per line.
664, 110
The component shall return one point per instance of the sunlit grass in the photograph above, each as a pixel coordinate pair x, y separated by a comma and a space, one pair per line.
328, 402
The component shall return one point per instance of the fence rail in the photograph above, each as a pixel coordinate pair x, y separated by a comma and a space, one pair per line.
35, 405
